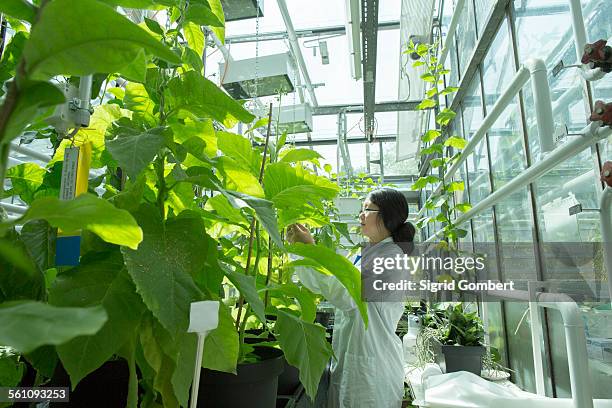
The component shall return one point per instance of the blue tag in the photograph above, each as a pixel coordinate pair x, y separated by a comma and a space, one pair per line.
357, 259
68, 251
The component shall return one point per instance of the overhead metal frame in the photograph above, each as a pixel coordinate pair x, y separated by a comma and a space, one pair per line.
359, 108
369, 29
304, 33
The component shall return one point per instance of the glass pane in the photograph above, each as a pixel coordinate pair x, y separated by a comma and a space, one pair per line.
520, 349
483, 8
466, 35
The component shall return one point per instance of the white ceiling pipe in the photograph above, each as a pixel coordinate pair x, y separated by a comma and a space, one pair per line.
452, 28
580, 38
30, 153
588, 136
295, 47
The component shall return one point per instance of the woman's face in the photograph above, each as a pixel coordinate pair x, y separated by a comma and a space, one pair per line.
368, 218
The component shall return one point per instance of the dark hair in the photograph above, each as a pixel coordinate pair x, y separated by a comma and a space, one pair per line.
393, 211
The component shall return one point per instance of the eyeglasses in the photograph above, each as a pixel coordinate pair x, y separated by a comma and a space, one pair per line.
367, 210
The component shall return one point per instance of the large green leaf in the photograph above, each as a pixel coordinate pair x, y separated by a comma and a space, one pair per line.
297, 155
137, 100
289, 186
32, 98
247, 287
20, 9
28, 325
201, 13
337, 265
163, 267
39, 239
305, 347
135, 152
87, 212
99, 280
238, 178
217, 9
25, 178
240, 149
305, 298
221, 346
141, 4
11, 56
109, 42
198, 138
200, 96
222, 206
194, 36
11, 369
20, 277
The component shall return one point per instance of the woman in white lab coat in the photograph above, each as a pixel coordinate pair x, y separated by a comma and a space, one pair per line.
368, 372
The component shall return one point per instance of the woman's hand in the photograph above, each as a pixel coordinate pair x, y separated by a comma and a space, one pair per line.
606, 173
299, 233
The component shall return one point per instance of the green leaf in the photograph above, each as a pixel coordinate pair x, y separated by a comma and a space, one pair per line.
289, 186
39, 239
195, 37
240, 149
25, 179
162, 268
463, 207
298, 155
435, 148
427, 77
153, 26
238, 178
432, 92
31, 99
327, 168
264, 212
29, 325
100, 280
445, 117
201, 13
456, 186
223, 207
427, 104
135, 152
424, 181
305, 298
87, 212
337, 265
200, 96
449, 90
437, 162
221, 347
141, 4
11, 369
198, 138
456, 142
20, 277
305, 347
217, 9
20, 9
430, 135
247, 287
137, 100
109, 41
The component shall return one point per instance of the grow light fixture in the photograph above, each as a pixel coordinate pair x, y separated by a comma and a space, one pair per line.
293, 118
245, 79
235, 10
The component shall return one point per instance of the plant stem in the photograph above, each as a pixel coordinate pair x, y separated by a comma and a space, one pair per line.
4, 152
161, 184
252, 229
269, 272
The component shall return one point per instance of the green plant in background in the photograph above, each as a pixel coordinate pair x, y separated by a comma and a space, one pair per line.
441, 149
188, 207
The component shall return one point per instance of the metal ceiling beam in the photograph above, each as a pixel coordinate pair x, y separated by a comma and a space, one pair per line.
305, 33
349, 140
295, 48
358, 108
369, 30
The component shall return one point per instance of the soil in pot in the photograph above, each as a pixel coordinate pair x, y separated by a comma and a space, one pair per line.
254, 386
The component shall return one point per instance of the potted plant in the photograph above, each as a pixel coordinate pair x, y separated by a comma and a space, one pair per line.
187, 207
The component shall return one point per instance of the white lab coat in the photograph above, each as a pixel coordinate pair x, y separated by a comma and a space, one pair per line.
369, 369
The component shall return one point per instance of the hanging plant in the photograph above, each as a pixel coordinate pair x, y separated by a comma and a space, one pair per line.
441, 149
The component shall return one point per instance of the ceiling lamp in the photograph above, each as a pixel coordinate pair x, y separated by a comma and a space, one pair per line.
248, 78
235, 10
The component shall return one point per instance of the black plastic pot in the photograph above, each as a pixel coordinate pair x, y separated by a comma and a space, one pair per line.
288, 380
107, 386
460, 358
254, 386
